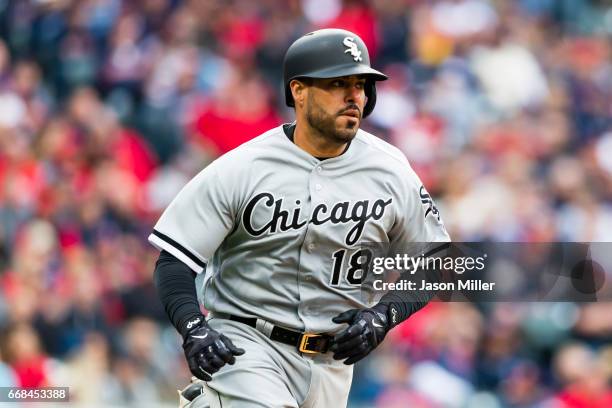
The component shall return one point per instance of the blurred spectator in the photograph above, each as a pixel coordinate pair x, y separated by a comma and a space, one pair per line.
463, 18
238, 111
23, 353
586, 383
92, 358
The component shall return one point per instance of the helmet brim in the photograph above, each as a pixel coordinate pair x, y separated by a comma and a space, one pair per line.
345, 70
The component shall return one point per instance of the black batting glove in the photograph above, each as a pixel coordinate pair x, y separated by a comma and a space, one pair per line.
207, 350
367, 329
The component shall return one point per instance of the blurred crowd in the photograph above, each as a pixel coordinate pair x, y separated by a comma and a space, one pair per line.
108, 107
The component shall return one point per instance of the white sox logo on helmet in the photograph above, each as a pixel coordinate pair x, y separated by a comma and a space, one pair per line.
349, 42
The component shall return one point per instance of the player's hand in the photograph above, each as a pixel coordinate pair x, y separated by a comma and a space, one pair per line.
207, 351
367, 329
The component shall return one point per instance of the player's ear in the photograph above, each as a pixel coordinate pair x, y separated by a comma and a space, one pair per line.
298, 91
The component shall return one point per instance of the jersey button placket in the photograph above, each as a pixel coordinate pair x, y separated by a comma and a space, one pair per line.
311, 259
316, 183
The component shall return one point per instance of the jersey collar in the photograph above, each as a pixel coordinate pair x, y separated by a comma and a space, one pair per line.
288, 130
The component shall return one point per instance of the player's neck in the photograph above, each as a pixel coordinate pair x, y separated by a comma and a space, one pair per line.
316, 144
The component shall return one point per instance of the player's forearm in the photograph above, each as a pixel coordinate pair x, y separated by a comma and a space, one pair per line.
176, 289
404, 303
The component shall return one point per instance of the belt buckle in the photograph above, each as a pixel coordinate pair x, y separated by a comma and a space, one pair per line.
303, 348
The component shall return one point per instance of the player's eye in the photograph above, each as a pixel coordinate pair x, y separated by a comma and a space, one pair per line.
360, 85
338, 83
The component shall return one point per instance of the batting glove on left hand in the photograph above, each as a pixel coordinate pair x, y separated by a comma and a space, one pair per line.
367, 329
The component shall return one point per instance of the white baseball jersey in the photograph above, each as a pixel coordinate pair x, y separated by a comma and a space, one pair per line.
279, 230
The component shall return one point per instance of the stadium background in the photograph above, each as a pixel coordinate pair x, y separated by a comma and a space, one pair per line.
107, 107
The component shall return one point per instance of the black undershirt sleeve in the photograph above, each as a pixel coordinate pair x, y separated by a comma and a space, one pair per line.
175, 283
407, 302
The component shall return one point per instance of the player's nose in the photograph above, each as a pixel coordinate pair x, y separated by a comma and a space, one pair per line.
354, 93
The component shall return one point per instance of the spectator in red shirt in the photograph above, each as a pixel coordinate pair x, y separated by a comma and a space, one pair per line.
241, 110
26, 357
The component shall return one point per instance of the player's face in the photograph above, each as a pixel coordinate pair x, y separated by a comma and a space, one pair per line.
334, 106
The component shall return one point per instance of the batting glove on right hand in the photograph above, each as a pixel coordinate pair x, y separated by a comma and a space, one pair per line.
367, 329
207, 350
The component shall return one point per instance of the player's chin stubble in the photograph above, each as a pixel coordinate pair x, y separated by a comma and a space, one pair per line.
327, 124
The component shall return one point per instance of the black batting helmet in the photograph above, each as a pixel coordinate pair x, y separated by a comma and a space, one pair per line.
330, 53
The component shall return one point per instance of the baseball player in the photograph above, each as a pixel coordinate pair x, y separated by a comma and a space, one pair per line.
276, 227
